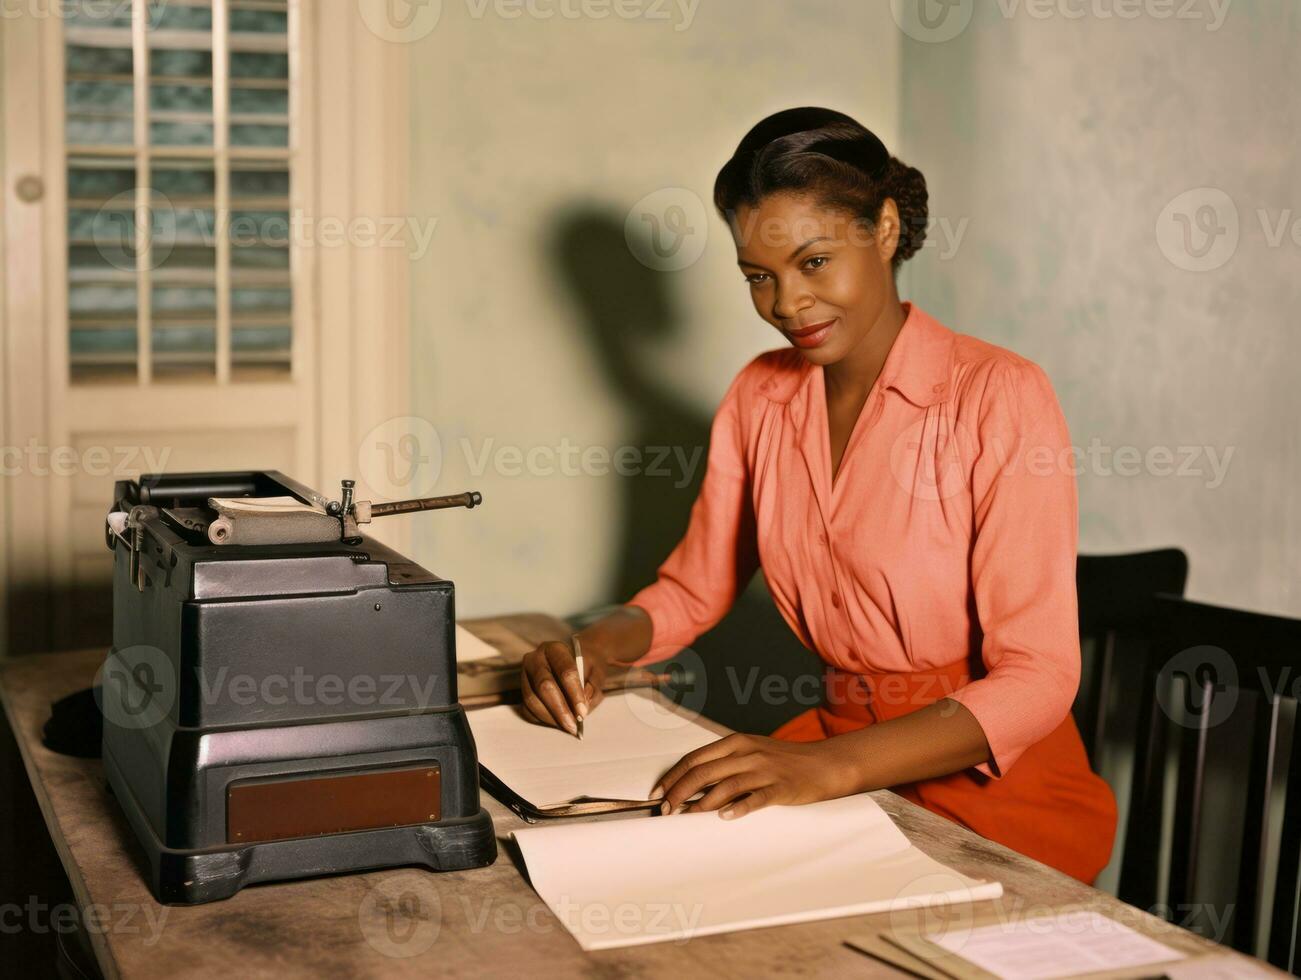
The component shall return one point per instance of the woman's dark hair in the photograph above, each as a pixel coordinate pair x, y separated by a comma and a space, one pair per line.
835, 158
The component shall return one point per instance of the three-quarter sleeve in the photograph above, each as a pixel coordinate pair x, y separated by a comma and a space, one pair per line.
718, 555
1023, 564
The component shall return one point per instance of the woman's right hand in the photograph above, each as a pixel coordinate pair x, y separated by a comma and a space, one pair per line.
549, 684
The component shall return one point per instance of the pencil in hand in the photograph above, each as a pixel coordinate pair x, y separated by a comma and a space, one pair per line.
582, 680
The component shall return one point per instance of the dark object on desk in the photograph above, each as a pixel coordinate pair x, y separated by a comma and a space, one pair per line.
76, 726
1116, 596
284, 710
1210, 662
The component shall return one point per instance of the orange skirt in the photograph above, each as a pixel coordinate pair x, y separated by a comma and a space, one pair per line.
1050, 805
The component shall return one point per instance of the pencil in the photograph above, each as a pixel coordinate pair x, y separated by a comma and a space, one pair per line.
582, 681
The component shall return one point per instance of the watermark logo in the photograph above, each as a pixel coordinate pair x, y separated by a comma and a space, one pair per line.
1198, 230
136, 687
400, 21
932, 21
1198, 687
401, 916
132, 223
139, 228
300, 688
927, 459
935, 460
404, 457
667, 229
401, 457
938, 906
683, 691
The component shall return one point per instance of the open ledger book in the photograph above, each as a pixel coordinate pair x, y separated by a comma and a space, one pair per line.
673, 878
489, 672
630, 741
693, 873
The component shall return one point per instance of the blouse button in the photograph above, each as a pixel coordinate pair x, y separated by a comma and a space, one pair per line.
835, 599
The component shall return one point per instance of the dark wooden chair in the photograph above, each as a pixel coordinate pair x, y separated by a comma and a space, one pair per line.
1115, 595
1209, 664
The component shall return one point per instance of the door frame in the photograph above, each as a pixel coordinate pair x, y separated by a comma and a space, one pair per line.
350, 365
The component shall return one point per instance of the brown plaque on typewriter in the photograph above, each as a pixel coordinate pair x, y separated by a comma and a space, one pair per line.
308, 806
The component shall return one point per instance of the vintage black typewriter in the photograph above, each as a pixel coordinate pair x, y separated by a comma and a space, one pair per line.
280, 699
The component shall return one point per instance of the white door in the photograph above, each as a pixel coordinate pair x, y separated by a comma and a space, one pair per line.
168, 304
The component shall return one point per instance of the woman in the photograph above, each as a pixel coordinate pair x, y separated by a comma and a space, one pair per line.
910, 496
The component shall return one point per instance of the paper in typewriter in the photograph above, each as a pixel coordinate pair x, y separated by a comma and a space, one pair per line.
269, 520
632, 739
626, 883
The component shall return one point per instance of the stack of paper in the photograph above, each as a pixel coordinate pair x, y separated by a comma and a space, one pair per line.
1072, 942
631, 740
626, 883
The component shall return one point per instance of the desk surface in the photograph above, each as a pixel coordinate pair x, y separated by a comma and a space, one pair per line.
412, 923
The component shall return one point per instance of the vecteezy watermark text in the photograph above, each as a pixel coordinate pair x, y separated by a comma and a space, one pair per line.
144, 217
570, 459
407, 21
121, 462
118, 918
937, 21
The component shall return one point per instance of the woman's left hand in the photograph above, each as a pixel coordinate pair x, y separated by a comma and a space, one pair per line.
746, 772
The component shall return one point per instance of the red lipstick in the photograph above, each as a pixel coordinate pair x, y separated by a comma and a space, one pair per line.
812, 335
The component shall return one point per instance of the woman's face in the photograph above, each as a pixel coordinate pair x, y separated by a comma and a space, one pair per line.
816, 274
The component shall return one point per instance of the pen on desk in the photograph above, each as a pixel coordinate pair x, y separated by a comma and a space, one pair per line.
582, 680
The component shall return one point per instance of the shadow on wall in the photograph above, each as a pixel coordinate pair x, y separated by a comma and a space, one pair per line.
745, 672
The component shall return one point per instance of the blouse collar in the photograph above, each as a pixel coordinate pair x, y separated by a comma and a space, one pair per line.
919, 364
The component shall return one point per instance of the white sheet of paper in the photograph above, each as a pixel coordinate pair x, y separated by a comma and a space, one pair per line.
631, 740
625, 883
1064, 945
470, 647
264, 505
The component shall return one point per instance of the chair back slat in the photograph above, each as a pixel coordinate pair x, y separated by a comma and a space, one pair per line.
1140, 864
1285, 921
1115, 602
1255, 830
1185, 843
1220, 661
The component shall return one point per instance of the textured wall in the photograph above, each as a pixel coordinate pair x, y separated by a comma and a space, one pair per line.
1119, 199
1056, 144
534, 327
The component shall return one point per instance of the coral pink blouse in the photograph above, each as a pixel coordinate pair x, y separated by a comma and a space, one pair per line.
950, 529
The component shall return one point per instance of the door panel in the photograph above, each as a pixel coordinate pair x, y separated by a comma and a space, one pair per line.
155, 311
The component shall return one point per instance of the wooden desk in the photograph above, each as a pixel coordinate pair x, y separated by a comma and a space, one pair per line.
486, 922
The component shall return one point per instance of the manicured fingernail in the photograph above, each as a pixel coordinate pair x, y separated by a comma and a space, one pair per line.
571, 726
680, 808
582, 711
658, 791
664, 808
727, 814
